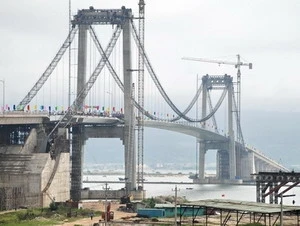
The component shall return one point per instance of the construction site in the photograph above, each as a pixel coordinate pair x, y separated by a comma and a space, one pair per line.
27, 175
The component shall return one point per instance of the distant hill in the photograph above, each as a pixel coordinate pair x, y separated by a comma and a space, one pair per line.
276, 134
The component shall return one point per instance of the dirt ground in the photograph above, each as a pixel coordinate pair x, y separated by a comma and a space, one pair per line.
124, 218
100, 206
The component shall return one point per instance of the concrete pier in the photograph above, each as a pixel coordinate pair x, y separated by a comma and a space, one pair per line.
25, 171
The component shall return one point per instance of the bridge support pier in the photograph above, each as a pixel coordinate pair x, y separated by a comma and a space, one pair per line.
202, 152
223, 170
245, 166
77, 156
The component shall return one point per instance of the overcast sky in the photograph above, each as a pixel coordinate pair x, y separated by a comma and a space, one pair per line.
265, 33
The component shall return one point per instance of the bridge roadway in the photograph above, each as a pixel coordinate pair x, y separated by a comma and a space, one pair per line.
214, 140
192, 130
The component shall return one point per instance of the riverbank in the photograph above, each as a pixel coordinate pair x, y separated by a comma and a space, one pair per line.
124, 218
82, 217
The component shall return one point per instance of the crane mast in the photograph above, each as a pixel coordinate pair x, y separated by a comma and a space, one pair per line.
237, 65
140, 124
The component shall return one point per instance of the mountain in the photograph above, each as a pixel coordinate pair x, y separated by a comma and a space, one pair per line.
276, 134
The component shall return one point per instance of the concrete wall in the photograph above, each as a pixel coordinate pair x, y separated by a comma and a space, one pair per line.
60, 186
20, 190
24, 188
110, 194
14, 119
24, 174
31, 142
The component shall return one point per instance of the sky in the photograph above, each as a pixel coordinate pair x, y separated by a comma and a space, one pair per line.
265, 33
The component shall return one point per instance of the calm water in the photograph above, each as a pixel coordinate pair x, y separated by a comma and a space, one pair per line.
198, 192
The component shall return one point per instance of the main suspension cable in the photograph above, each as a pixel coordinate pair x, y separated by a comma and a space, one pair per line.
162, 91
41, 81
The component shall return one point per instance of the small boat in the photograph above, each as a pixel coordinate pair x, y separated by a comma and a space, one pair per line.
193, 176
189, 188
122, 179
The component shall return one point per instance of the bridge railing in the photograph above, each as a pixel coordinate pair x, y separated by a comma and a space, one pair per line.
20, 113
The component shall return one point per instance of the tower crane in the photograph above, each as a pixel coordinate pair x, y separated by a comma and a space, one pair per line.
237, 65
140, 126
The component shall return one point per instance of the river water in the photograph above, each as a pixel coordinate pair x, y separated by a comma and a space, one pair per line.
191, 192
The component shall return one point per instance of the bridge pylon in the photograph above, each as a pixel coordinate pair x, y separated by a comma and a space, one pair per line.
226, 155
122, 19
129, 120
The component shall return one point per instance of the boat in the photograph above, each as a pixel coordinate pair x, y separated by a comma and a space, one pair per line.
193, 176
123, 179
189, 188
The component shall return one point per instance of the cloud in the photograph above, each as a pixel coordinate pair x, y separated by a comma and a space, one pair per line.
264, 33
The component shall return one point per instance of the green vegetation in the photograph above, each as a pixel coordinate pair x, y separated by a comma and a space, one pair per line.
150, 202
43, 216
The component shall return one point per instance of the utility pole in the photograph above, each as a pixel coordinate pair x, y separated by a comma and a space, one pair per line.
175, 214
106, 188
281, 206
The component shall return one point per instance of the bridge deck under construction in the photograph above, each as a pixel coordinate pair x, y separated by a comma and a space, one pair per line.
235, 211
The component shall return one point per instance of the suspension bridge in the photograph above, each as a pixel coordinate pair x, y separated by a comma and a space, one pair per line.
88, 98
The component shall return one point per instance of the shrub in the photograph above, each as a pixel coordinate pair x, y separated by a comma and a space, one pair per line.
53, 206
28, 215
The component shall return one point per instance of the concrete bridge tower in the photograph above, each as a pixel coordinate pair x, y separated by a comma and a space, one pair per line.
82, 61
231, 146
129, 133
77, 131
226, 155
202, 148
83, 20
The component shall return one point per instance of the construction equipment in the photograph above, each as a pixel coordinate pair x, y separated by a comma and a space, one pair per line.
237, 65
108, 214
140, 118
